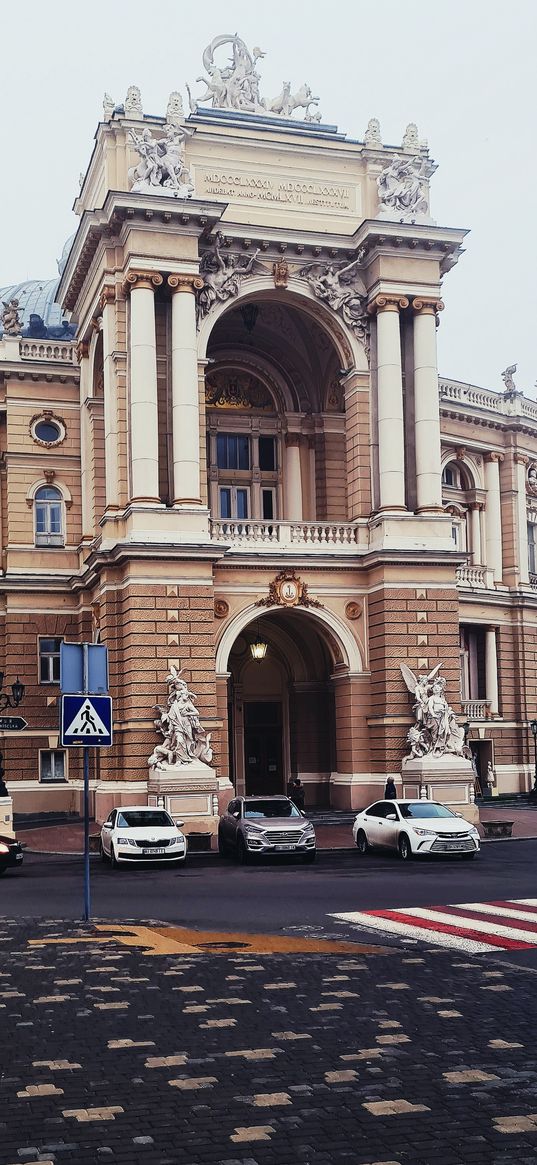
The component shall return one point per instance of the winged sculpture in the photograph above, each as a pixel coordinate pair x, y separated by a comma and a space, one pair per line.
436, 730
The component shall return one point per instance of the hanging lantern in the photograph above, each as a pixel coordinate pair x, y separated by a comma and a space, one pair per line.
258, 649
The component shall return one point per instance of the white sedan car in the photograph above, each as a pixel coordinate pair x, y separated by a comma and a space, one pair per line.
139, 833
415, 828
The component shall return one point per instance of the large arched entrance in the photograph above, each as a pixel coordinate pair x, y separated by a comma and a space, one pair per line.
288, 711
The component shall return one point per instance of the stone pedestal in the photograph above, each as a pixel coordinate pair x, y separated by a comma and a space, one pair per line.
6, 815
189, 792
448, 778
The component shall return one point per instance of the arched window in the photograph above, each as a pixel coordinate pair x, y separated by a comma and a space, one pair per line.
49, 522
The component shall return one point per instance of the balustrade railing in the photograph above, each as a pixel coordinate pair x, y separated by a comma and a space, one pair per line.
337, 536
472, 576
476, 709
61, 351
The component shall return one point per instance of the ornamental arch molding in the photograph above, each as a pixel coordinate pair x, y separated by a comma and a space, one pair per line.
472, 465
50, 480
297, 294
329, 626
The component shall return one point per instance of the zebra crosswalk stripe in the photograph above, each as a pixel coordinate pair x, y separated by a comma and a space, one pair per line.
474, 927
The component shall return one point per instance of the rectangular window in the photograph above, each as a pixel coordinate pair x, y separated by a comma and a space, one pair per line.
234, 502
267, 454
267, 504
51, 766
49, 661
232, 451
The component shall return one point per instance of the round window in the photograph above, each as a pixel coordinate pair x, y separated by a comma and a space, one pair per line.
47, 431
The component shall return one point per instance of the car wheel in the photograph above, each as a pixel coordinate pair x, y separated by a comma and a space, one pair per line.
362, 844
222, 847
242, 852
309, 857
113, 860
3, 870
405, 848
104, 856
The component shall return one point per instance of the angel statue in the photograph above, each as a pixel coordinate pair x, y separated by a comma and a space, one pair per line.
342, 287
222, 274
436, 730
179, 724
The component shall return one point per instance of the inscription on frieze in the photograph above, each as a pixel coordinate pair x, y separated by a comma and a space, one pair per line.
284, 190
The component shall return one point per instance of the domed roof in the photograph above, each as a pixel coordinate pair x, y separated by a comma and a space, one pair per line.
37, 300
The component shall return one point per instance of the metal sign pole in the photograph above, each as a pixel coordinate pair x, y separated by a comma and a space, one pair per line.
87, 904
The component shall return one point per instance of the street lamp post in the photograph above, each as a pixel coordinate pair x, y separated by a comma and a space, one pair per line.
533, 726
8, 700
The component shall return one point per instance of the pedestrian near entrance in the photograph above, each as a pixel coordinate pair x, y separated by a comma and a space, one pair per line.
295, 790
390, 791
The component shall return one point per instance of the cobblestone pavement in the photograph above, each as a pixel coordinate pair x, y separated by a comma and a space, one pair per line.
119, 1053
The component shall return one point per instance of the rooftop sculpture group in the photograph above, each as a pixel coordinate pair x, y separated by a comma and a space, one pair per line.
10, 318
236, 85
162, 166
436, 732
179, 724
402, 191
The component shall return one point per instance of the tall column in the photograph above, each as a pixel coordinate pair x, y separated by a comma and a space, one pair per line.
491, 670
521, 462
293, 478
493, 514
185, 398
475, 533
391, 434
82, 351
143, 387
426, 406
111, 467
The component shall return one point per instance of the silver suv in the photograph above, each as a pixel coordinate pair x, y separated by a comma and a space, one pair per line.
265, 825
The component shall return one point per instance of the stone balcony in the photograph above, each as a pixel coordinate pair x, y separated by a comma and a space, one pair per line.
476, 709
474, 577
305, 537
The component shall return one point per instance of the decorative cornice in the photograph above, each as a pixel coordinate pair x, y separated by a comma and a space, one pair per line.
387, 303
191, 283
427, 307
149, 280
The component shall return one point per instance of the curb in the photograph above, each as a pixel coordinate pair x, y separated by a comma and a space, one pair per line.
335, 849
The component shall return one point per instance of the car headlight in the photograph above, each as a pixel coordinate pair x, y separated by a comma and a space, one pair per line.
251, 828
179, 840
474, 832
424, 832
308, 829
125, 841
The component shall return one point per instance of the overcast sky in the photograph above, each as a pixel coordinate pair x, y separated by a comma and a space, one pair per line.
464, 70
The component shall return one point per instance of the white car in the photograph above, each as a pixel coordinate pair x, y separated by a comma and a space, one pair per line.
415, 828
139, 833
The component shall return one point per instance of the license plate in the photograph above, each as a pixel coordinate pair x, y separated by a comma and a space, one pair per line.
154, 852
457, 845
284, 847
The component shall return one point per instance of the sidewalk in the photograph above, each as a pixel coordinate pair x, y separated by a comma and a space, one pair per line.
68, 838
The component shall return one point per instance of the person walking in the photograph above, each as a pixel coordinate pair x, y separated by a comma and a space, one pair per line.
295, 790
390, 791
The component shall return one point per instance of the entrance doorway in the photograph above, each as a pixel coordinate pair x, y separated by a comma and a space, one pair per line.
263, 759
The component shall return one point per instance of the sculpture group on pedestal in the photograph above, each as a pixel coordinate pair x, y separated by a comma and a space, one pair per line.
184, 739
436, 732
10, 318
162, 166
236, 85
401, 189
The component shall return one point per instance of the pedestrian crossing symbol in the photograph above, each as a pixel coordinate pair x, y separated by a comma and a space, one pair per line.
86, 720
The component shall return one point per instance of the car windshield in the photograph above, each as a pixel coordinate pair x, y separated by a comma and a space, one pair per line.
146, 819
281, 808
424, 809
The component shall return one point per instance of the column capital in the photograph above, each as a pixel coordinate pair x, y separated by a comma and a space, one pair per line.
383, 303
521, 459
476, 505
82, 351
107, 295
185, 282
494, 457
147, 279
293, 439
425, 306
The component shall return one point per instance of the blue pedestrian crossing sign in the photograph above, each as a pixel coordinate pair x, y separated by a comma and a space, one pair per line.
86, 720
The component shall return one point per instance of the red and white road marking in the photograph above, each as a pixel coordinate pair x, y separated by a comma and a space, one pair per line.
473, 927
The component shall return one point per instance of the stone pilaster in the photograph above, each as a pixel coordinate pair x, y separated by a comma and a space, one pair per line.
426, 406
144, 453
185, 393
391, 437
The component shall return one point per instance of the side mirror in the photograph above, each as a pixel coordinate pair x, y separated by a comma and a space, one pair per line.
391, 817
179, 824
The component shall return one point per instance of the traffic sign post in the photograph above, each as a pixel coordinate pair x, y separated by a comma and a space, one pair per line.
85, 718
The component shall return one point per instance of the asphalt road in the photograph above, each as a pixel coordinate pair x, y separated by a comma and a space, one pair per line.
269, 896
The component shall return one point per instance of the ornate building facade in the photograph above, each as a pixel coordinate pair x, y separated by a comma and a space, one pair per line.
225, 448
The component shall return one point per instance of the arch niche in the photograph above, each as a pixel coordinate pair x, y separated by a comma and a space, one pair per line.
289, 712
276, 359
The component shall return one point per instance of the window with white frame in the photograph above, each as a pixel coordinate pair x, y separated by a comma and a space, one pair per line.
49, 523
52, 767
243, 473
49, 660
